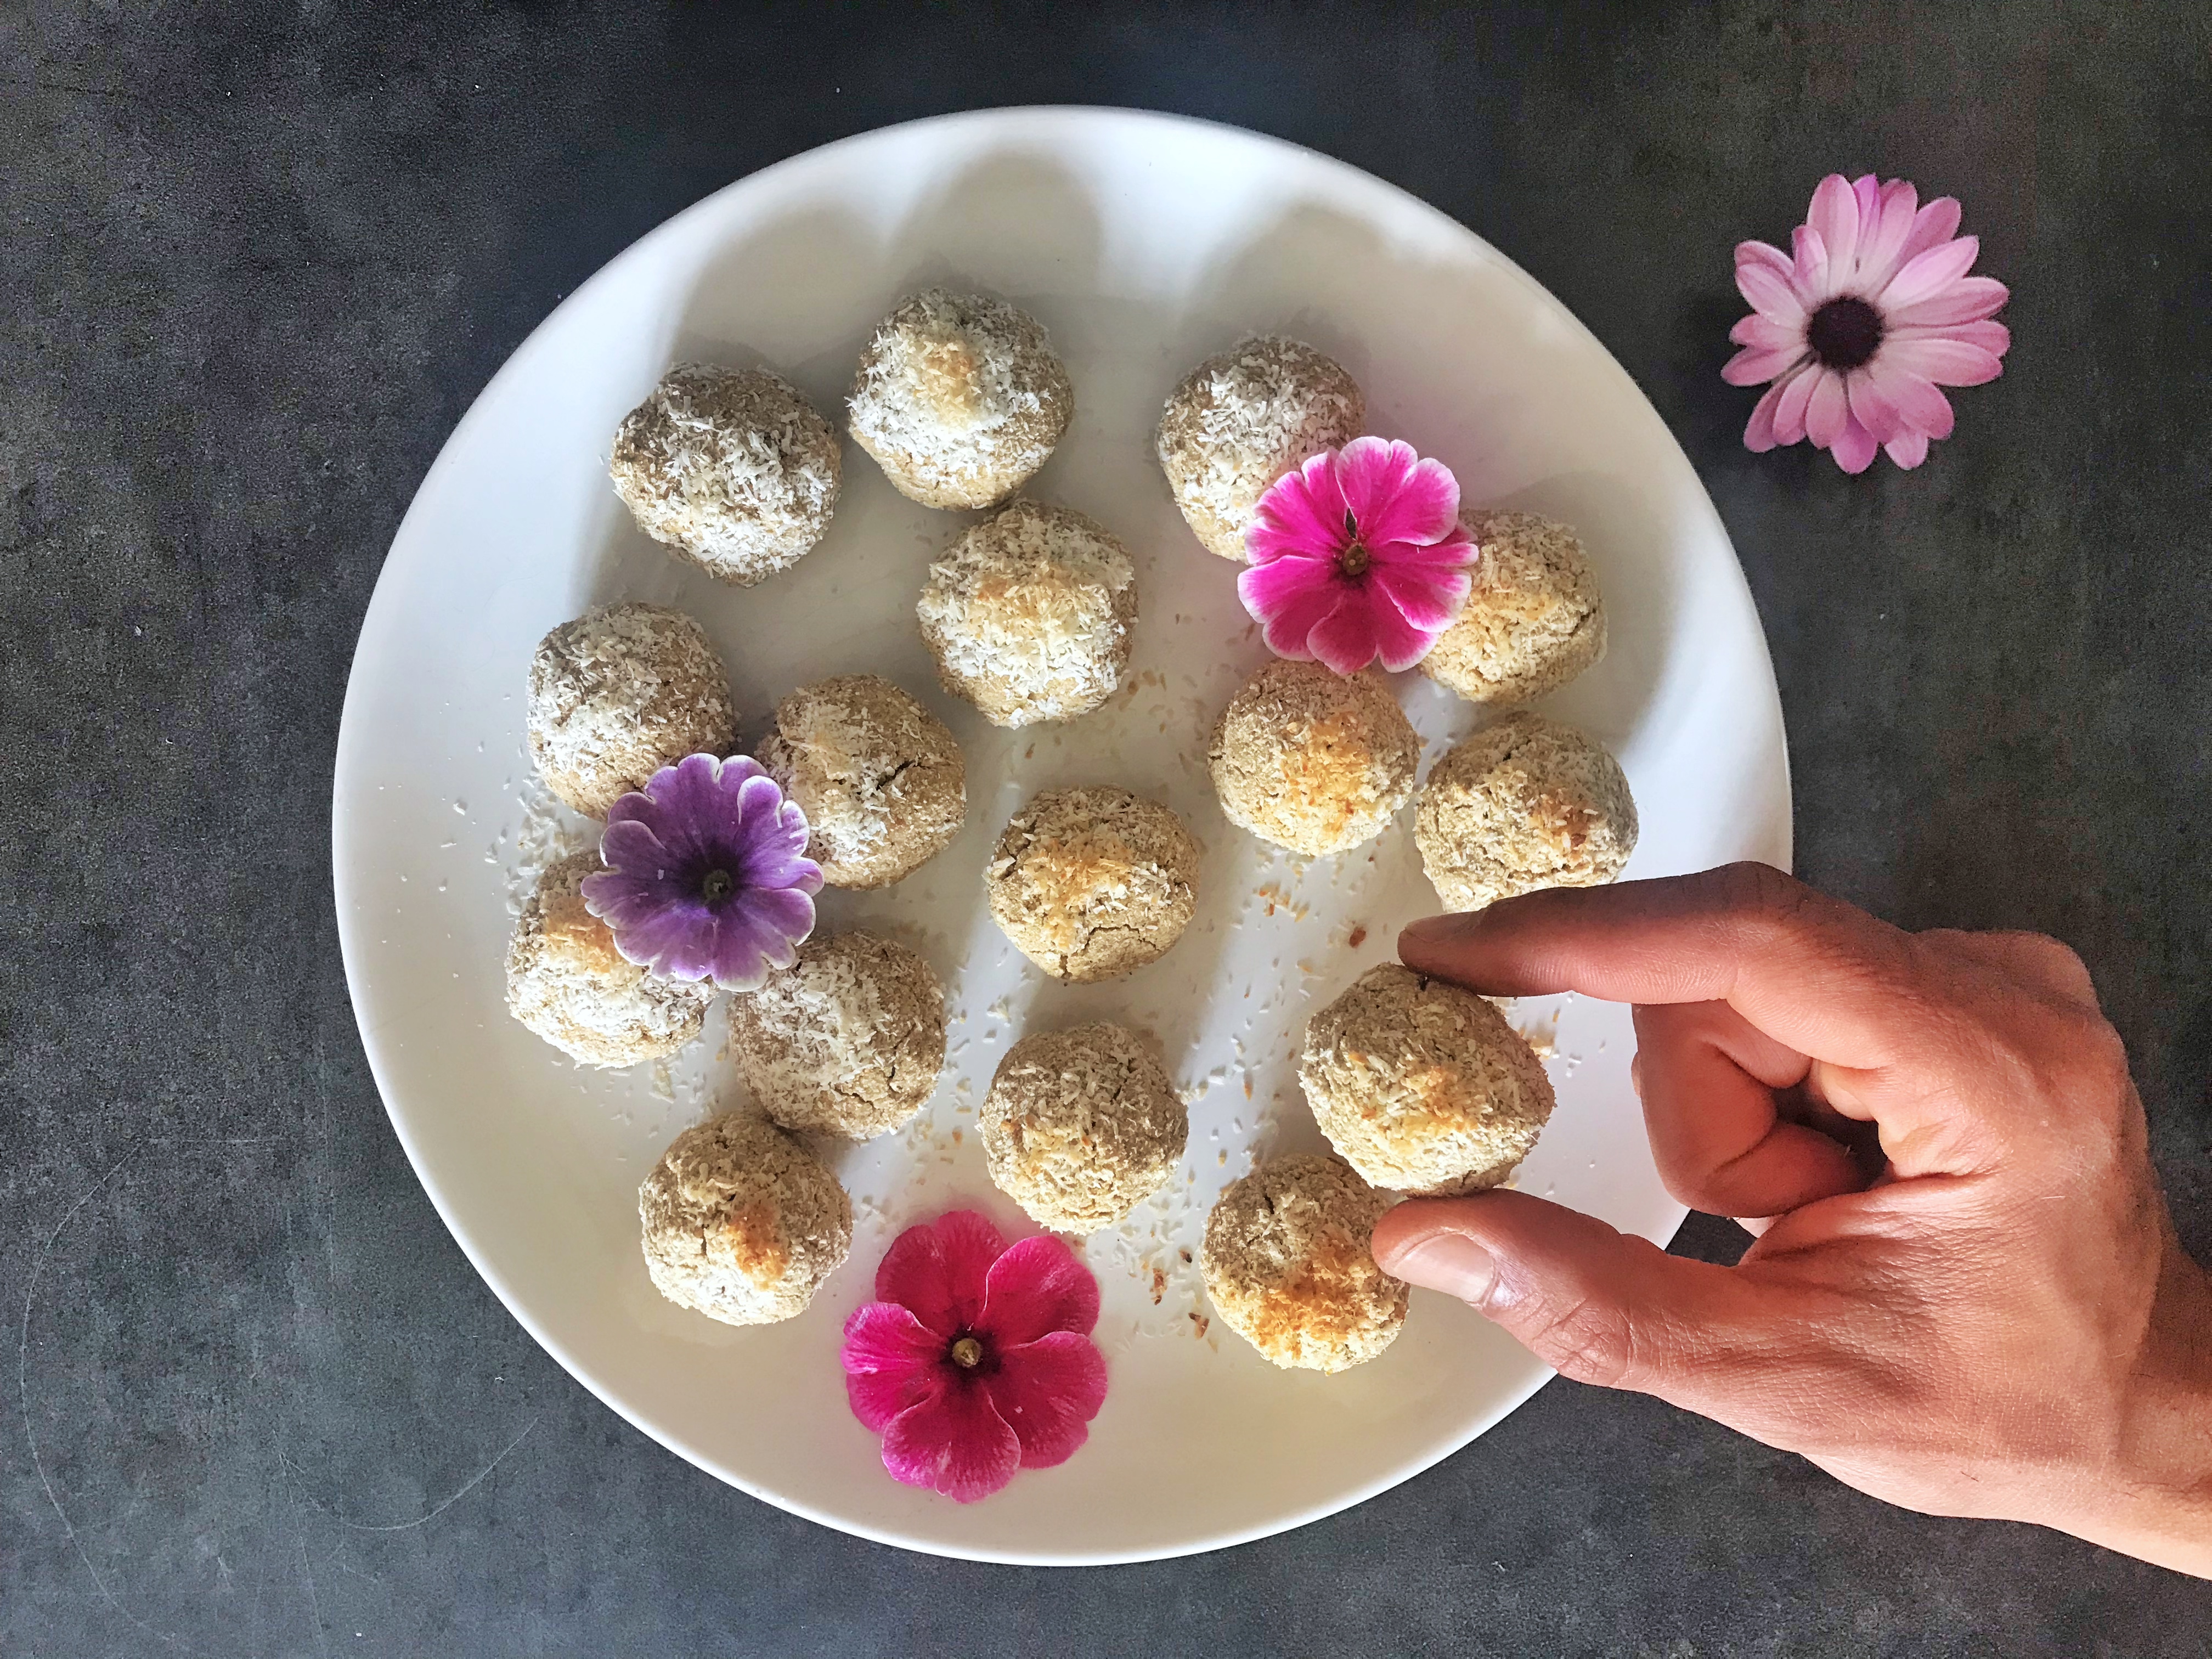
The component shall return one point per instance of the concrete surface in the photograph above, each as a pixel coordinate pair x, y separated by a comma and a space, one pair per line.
259, 257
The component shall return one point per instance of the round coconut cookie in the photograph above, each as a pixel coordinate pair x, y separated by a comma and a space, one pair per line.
1534, 619
1312, 760
619, 694
1243, 418
1029, 615
1525, 804
731, 468
1092, 884
882, 782
1288, 1262
741, 1223
566, 983
1422, 1085
959, 398
848, 1040
1081, 1126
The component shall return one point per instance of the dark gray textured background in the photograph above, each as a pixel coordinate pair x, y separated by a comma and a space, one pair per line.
257, 260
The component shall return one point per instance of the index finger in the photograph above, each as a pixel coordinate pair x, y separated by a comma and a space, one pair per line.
1828, 980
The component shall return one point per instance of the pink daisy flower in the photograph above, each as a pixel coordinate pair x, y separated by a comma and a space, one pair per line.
976, 1359
1860, 329
1358, 554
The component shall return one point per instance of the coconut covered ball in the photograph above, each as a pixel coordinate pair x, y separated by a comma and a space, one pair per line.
1029, 615
1533, 620
741, 1223
1422, 1085
619, 694
848, 1041
1081, 1126
1243, 418
959, 398
882, 782
1312, 760
1529, 803
1288, 1264
1091, 884
566, 981
731, 468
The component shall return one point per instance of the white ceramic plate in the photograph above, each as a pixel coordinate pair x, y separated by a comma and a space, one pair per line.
1143, 243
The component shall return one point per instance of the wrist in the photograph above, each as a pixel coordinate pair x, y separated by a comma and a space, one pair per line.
2158, 1506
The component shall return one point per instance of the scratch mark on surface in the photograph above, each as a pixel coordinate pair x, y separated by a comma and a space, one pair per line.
460, 1492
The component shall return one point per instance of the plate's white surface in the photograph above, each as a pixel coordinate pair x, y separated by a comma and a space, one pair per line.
1143, 243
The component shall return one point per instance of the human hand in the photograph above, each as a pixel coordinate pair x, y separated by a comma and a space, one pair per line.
2000, 1322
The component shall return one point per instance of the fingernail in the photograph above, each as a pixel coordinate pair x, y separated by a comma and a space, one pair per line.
1433, 930
1450, 1262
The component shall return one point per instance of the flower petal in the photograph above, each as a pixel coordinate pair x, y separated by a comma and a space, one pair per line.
1993, 338
1920, 407
1037, 1285
1828, 410
1398, 644
955, 1442
1048, 1391
1429, 600
1881, 247
1967, 301
1790, 410
893, 1361
1907, 449
1301, 512
1758, 430
937, 1271
1933, 226
1763, 253
1758, 330
1345, 639
1395, 495
1834, 217
1945, 362
1811, 264
1771, 294
1755, 365
1927, 275
1853, 448
1870, 404
1287, 598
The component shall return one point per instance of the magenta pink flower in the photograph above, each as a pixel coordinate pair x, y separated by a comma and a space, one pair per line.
976, 1359
1858, 331
1357, 555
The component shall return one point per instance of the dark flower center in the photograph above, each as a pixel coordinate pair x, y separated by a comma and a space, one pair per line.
1844, 333
967, 1353
717, 885
1352, 561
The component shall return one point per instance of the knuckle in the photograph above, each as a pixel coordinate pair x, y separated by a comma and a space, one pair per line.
1587, 1340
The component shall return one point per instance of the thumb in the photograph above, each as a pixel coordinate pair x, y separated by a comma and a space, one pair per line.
1594, 1305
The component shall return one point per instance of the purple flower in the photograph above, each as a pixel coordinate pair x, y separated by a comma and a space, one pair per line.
706, 876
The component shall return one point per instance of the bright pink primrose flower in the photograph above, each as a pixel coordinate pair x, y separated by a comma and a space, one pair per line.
1862, 327
1357, 555
976, 1359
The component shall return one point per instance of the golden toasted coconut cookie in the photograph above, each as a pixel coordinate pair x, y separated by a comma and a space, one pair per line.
1091, 884
959, 398
619, 694
1527, 804
1312, 760
1533, 620
566, 981
1029, 615
849, 1040
731, 468
741, 1223
1422, 1085
1081, 1126
1241, 420
1288, 1263
882, 782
